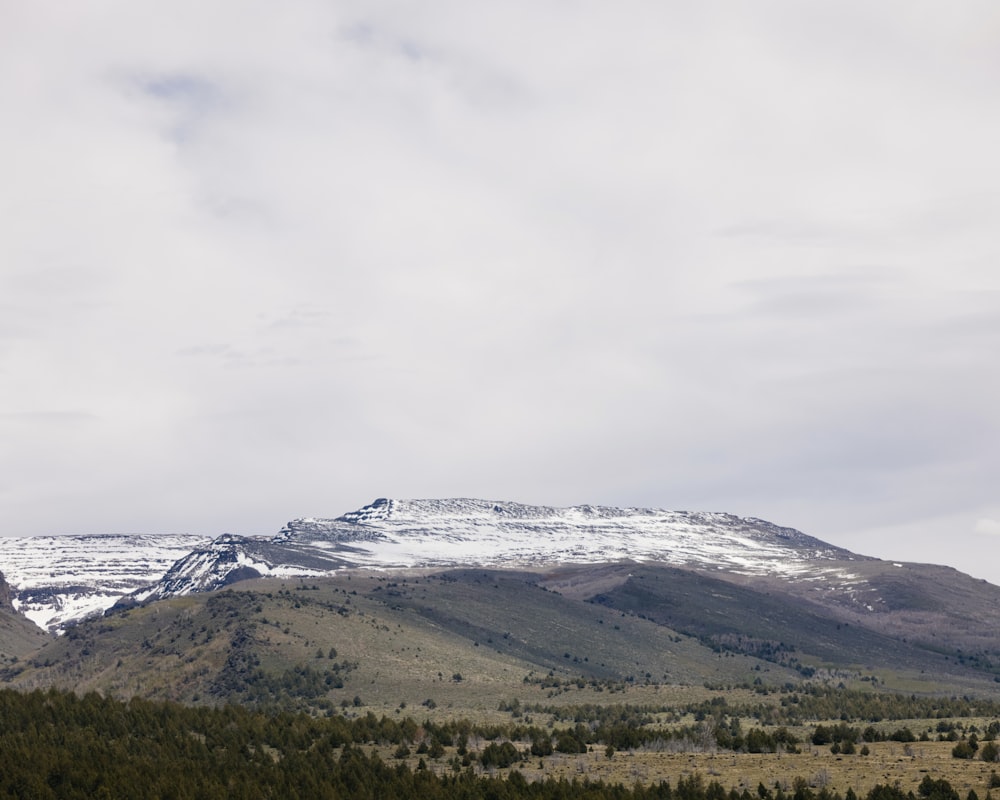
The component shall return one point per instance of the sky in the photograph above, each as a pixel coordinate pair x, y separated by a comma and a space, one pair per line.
264, 261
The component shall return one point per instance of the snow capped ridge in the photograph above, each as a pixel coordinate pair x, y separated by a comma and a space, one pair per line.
220, 562
391, 533
438, 511
57, 580
483, 521
230, 558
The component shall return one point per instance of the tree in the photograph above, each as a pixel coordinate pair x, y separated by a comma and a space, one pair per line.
822, 735
541, 746
568, 742
499, 755
936, 789
962, 750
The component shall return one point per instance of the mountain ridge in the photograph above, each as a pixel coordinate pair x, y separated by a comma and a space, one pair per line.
392, 534
56, 581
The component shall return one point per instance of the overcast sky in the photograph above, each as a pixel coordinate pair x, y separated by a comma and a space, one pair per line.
261, 261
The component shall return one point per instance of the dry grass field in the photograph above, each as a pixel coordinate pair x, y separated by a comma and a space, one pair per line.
888, 763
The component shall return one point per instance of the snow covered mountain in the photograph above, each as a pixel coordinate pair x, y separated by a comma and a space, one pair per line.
440, 533
56, 580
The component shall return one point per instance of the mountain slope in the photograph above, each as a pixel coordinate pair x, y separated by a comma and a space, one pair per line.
477, 637
18, 636
473, 637
772, 624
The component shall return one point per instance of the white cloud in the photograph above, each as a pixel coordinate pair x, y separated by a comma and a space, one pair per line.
281, 262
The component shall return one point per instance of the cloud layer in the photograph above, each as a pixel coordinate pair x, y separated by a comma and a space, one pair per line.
263, 263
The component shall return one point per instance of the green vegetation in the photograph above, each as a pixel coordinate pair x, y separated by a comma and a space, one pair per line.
59, 745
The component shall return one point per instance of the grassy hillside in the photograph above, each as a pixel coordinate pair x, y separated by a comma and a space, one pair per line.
19, 637
770, 624
471, 639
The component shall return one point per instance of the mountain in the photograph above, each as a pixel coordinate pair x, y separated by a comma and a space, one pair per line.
55, 580
934, 605
391, 534
410, 591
